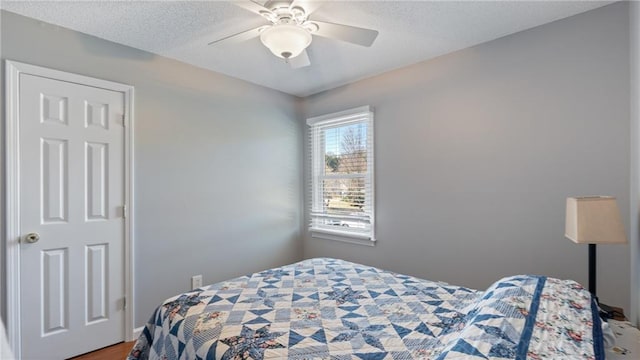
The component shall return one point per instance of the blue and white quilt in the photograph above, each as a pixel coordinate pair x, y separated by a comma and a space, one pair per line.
332, 309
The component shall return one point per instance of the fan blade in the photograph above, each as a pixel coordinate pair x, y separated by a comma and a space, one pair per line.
300, 61
239, 37
252, 6
308, 6
352, 34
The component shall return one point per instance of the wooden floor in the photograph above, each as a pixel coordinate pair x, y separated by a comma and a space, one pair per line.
114, 352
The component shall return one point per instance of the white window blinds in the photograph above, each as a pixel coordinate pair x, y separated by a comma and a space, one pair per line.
342, 192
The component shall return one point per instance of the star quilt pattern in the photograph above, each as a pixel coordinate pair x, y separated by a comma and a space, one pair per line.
333, 309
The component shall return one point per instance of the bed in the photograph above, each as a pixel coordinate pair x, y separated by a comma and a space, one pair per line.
328, 308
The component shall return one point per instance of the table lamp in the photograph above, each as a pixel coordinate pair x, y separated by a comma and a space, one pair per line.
594, 220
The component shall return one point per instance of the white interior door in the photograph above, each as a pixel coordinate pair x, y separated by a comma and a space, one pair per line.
71, 216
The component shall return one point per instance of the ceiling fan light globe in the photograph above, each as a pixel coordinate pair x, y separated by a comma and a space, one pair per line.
286, 41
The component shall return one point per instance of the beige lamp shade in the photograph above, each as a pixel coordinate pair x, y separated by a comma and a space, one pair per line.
594, 220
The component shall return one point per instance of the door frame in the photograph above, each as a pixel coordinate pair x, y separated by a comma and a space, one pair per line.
13, 70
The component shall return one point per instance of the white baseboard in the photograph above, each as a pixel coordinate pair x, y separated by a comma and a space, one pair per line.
137, 332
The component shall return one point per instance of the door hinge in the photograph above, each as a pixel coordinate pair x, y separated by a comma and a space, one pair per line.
123, 120
124, 303
124, 211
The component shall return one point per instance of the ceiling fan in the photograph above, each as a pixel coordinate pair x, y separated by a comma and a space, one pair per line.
290, 30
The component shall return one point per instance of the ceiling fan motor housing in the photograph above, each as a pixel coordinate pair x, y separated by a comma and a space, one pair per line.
281, 12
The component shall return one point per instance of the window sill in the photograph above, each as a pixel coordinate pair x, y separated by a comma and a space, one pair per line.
342, 236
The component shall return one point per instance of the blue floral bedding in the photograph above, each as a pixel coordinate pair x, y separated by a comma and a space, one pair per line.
328, 308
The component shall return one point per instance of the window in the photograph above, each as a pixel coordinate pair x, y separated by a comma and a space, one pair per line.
342, 175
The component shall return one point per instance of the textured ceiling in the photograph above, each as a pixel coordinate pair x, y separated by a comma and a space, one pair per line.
410, 32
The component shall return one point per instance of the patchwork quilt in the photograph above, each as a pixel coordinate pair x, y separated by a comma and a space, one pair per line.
333, 309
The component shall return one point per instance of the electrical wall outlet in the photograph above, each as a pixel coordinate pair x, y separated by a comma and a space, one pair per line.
196, 281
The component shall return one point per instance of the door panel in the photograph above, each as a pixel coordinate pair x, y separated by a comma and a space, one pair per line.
97, 155
54, 184
97, 279
55, 295
72, 191
53, 109
96, 114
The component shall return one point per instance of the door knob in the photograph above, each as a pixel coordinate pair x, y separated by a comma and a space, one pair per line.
30, 238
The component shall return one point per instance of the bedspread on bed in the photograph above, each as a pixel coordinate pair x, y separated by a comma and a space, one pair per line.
328, 308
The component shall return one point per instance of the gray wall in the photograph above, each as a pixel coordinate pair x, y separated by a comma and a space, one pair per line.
634, 237
477, 150
218, 161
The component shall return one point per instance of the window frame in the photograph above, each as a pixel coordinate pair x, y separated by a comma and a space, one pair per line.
317, 165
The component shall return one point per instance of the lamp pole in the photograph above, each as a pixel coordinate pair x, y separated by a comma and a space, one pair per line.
592, 270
